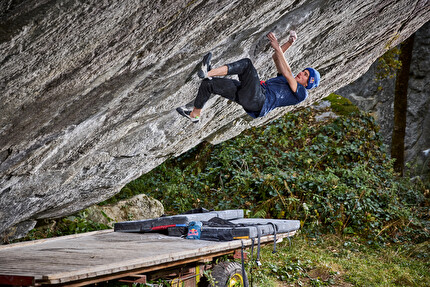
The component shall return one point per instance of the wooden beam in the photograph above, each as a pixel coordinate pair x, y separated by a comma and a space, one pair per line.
17, 280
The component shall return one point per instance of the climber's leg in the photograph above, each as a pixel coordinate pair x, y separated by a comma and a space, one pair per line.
247, 91
250, 95
206, 72
226, 88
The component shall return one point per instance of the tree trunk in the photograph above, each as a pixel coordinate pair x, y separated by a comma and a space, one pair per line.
400, 105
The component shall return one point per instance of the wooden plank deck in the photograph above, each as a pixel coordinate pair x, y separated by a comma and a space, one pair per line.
95, 256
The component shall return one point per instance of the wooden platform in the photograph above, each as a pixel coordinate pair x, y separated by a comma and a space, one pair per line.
105, 255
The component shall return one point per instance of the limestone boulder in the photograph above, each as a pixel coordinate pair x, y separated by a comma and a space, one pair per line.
136, 208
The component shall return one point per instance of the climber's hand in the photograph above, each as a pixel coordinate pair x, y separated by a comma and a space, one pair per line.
293, 37
273, 40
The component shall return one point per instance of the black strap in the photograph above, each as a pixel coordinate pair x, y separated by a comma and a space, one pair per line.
258, 246
252, 260
198, 210
252, 249
275, 229
245, 280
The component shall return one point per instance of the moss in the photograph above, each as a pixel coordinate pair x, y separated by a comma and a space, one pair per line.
341, 106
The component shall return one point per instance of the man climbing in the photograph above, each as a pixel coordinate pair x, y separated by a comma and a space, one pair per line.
257, 98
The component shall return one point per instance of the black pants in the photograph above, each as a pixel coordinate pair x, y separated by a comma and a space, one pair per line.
247, 91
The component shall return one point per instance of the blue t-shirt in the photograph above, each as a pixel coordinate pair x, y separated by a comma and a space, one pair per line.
279, 94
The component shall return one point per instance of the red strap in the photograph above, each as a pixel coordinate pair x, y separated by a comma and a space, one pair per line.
163, 227
262, 82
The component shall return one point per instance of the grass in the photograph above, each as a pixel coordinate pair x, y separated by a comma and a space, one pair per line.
332, 261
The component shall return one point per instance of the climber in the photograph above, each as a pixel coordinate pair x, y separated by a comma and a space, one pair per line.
256, 97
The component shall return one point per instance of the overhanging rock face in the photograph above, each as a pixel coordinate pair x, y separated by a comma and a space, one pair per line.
89, 88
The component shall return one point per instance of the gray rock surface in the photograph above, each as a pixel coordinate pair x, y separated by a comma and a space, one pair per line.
366, 94
88, 88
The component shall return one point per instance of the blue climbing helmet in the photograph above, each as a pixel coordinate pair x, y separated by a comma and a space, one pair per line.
314, 78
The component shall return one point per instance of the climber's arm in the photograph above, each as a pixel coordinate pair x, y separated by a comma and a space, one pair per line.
280, 61
289, 43
286, 45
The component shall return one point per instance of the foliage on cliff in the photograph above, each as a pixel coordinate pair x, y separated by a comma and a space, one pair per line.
333, 175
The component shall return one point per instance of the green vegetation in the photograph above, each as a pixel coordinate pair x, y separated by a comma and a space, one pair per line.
362, 225
342, 261
341, 106
388, 64
77, 223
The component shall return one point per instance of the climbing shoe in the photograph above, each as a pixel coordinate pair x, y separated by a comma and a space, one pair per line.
205, 66
183, 111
